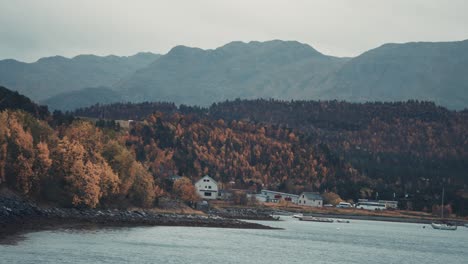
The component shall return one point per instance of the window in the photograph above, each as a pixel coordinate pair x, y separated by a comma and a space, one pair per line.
209, 187
207, 194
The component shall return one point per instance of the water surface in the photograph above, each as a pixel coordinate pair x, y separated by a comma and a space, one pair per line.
300, 242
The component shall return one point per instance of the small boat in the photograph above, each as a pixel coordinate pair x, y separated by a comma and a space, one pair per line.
443, 226
275, 217
297, 215
316, 219
343, 221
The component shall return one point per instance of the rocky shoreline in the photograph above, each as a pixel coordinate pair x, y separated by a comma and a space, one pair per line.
17, 215
262, 214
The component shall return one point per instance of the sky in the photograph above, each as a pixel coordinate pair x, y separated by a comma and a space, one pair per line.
33, 29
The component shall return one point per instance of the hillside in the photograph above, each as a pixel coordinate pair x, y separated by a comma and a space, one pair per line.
14, 100
410, 150
54, 75
69, 101
399, 72
407, 148
272, 69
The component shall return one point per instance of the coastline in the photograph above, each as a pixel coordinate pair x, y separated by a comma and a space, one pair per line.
18, 216
265, 213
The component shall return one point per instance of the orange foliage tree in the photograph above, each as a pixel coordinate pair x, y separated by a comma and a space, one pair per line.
185, 190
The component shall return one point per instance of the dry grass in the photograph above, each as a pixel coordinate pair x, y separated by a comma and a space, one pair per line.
354, 211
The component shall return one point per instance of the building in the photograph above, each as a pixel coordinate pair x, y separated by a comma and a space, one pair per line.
310, 199
386, 203
207, 188
274, 197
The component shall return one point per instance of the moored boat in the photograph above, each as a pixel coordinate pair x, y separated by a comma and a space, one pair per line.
443, 226
297, 215
316, 219
343, 221
275, 217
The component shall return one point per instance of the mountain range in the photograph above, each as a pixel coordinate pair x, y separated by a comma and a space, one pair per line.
429, 71
51, 76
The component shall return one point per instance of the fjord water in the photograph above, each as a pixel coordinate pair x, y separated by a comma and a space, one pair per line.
299, 242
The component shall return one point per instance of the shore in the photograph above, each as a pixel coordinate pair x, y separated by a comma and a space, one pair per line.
266, 211
19, 216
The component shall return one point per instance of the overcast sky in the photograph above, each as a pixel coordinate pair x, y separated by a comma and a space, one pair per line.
33, 29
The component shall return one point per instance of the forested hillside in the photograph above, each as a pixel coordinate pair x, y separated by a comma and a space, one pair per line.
66, 161
408, 150
14, 100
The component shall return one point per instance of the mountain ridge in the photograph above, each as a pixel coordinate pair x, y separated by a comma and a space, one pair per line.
54, 75
276, 69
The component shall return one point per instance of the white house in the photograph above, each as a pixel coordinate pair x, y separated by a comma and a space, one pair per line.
310, 199
207, 188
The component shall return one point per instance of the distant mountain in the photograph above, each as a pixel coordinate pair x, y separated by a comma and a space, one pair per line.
82, 98
397, 72
272, 69
54, 75
13, 100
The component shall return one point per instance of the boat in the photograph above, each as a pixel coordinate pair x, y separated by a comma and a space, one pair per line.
343, 221
443, 225
316, 219
275, 217
297, 215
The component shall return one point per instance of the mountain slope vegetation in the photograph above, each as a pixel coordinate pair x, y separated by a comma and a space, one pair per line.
404, 149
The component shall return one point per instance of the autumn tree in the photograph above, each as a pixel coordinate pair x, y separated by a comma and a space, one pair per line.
331, 198
185, 190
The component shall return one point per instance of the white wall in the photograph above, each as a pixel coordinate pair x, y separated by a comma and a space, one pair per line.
307, 202
206, 186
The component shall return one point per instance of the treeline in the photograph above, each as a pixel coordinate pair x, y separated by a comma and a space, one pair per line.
71, 165
125, 111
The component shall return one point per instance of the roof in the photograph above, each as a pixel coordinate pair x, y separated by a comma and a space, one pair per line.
281, 193
312, 195
207, 177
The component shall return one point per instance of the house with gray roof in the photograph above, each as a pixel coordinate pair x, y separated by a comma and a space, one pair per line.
310, 199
